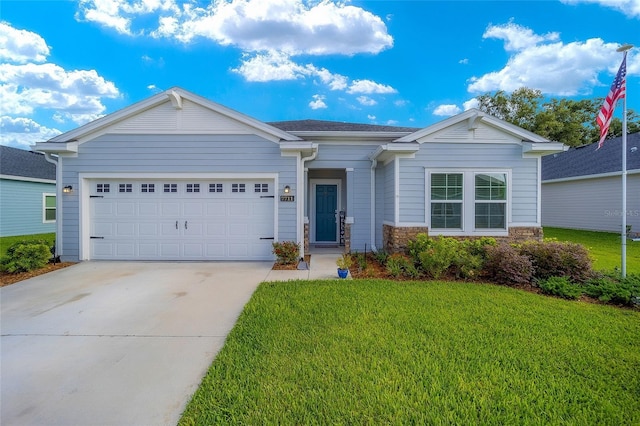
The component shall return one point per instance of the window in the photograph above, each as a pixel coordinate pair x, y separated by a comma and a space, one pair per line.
446, 200
468, 201
48, 208
237, 187
261, 187
147, 187
193, 187
491, 201
215, 187
170, 187
102, 187
125, 187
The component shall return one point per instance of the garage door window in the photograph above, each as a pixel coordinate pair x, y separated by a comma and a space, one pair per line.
193, 187
261, 187
147, 187
170, 187
125, 187
237, 187
102, 187
215, 187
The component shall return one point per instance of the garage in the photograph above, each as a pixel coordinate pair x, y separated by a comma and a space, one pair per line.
181, 219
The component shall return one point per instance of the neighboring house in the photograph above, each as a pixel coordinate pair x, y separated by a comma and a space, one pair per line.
582, 188
179, 177
27, 193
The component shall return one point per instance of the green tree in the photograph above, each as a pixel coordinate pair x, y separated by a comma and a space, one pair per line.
564, 120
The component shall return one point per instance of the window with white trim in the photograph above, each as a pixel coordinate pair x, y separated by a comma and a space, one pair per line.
170, 187
48, 208
468, 201
237, 187
102, 187
147, 187
261, 187
193, 187
215, 187
125, 187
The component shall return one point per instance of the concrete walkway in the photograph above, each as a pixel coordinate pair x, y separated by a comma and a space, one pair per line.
121, 343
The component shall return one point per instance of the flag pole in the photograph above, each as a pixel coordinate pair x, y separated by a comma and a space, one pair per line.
623, 257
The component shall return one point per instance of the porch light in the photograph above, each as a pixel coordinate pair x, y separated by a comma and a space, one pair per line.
287, 189
67, 189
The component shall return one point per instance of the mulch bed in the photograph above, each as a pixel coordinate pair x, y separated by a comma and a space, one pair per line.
6, 278
291, 266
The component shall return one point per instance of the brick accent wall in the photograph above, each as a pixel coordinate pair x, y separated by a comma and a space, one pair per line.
525, 233
394, 239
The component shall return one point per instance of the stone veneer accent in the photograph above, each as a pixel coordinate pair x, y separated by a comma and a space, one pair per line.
394, 239
347, 238
306, 238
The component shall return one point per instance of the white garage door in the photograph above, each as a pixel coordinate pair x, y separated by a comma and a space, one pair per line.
182, 220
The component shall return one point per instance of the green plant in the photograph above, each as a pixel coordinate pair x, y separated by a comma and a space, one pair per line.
287, 252
381, 256
398, 264
419, 244
558, 259
345, 261
562, 287
505, 265
441, 255
361, 260
26, 256
610, 288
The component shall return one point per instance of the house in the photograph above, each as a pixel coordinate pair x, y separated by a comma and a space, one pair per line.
178, 177
27, 193
582, 188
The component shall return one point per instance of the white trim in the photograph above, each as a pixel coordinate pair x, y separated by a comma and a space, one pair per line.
44, 207
396, 190
27, 179
596, 176
312, 216
404, 224
85, 179
539, 190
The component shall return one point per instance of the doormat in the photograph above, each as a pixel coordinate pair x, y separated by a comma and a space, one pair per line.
325, 246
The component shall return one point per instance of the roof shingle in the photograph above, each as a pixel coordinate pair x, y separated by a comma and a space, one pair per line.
335, 126
18, 162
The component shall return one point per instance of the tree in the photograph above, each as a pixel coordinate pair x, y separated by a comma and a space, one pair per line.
563, 120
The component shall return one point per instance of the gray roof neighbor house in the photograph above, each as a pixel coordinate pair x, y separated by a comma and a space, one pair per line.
582, 187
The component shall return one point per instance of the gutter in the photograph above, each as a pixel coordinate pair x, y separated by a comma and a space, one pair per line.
374, 164
58, 241
303, 189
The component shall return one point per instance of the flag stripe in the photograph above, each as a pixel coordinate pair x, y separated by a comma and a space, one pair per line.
618, 91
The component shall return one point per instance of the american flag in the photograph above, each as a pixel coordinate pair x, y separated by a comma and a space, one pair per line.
617, 91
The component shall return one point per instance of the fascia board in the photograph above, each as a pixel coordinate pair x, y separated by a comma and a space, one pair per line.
543, 148
57, 147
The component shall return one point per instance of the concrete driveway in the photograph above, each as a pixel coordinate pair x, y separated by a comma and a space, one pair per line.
118, 343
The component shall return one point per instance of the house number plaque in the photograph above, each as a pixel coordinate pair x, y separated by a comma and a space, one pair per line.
287, 198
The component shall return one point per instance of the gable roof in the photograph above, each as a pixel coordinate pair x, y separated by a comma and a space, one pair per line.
336, 126
175, 96
585, 160
28, 164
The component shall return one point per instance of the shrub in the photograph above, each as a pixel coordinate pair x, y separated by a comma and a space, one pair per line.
420, 244
287, 252
505, 265
439, 257
562, 287
466, 264
26, 256
558, 259
478, 246
400, 265
613, 289
381, 256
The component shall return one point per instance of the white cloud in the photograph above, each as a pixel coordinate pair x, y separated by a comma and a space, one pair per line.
291, 26
547, 64
400, 103
371, 117
366, 101
21, 46
23, 132
392, 122
446, 110
369, 87
318, 102
464, 61
631, 8
471, 103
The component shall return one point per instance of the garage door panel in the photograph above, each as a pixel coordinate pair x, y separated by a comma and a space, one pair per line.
181, 225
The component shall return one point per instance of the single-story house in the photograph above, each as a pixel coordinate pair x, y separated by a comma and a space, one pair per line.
179, 177
582, 187
27, 193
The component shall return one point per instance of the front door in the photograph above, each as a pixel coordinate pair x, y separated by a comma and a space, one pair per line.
326, 209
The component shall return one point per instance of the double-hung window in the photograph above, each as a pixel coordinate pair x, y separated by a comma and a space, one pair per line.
468, 202
48, 208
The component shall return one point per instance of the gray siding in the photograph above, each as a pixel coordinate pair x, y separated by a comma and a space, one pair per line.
389, 192
21, 208
381, 174
592, 204
469, 156
175, 154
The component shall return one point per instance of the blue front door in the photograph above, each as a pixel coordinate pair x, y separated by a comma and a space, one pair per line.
326, 207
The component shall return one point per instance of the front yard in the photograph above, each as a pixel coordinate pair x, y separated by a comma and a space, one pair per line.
380, 352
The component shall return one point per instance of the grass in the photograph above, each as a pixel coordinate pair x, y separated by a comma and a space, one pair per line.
604, 247
6, 242
381, 352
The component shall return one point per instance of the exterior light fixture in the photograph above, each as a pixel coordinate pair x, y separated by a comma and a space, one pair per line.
67, 189
287, 189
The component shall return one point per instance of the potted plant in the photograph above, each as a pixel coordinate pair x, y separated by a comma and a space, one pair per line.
344, 262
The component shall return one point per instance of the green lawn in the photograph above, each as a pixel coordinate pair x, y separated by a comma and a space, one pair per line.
6, 242
383, 352
605, 247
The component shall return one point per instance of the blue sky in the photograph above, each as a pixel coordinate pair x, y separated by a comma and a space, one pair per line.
405, 63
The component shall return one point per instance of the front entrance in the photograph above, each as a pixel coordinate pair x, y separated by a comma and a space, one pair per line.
326, 209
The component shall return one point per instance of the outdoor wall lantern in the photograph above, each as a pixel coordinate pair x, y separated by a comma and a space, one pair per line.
287, 189
67, 189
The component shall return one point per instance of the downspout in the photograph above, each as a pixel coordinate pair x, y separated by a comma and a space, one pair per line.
301, 200
58, 240
374, 164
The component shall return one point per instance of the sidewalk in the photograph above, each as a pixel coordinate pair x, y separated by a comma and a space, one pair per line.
322, 267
